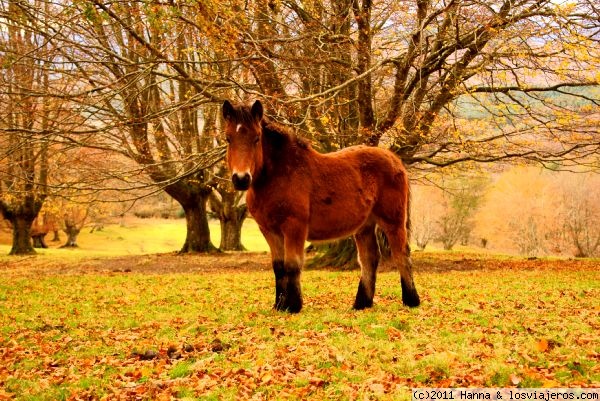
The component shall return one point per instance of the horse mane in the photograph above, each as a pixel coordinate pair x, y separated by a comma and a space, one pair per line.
279, 135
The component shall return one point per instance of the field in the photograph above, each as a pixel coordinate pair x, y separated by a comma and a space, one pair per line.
113, 323
134, 236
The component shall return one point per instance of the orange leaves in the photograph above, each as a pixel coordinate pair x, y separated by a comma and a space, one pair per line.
484, 322
515, 379
394, 334
545, 345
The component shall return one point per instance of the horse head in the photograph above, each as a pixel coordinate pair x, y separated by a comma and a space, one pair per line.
243, 132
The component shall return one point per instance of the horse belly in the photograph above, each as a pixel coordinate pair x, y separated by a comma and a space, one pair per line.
333, 217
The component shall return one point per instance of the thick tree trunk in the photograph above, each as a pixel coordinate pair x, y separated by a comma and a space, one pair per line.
231, 217
193, 198
21, 244
38, 232
231, 233
72, 233
340, 254
39, 240
198, 233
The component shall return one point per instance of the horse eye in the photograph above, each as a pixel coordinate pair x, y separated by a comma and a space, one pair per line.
256, 139
227, 139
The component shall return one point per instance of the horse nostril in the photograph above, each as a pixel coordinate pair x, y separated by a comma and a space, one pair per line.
241, 181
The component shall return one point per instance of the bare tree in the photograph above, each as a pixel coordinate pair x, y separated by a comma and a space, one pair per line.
461, 199
440, 83
228, 206
422, 75
522, 65
24, 124
426, 202
580, 214
137, 64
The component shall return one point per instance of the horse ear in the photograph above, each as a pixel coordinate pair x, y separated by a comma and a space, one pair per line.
257, 110
227, 110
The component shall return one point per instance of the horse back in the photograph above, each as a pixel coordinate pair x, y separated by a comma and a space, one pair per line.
334, 194
354, 185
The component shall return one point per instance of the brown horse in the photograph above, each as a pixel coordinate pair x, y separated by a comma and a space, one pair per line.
297, 194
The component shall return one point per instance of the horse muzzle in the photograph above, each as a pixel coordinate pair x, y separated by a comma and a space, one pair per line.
241, 181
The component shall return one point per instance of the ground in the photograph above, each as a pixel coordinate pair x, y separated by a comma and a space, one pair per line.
165, 326
172, 262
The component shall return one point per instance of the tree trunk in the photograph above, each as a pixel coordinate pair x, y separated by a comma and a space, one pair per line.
198, 233
72, 233
39, 240
231, 231
341, 254
231, 217
21, 244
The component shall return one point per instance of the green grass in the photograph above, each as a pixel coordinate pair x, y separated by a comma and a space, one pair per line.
139, 237
83, 334
76, 323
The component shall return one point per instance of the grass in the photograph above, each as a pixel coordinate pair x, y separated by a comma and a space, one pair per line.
202, 327
139, 237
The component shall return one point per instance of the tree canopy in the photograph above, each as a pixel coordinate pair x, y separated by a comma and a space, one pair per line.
439, 82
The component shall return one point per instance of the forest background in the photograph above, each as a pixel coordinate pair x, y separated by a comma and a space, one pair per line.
106, 103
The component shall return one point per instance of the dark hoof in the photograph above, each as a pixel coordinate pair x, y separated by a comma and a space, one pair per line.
362, 301
289, 304
294, 308
360, 305
410, 298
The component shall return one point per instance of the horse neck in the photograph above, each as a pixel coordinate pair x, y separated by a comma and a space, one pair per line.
279, 151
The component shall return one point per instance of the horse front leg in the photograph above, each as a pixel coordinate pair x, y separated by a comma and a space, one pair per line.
275, 242
290, 297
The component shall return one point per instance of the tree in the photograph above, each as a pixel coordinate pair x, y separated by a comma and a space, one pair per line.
528, 236
143, 101
427, 201
440, 83
226, 203
74, 218
580, 213
415, 69
461, 200
41, 226
412, 63
24, 125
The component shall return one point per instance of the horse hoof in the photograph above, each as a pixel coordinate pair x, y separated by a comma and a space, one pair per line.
294, 309
291, 307
411, 300
362, 304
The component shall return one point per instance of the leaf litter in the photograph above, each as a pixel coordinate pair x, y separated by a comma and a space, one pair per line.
208, 330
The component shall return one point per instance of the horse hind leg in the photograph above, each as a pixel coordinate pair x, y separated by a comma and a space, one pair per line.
398, 240
368, 258
410, 297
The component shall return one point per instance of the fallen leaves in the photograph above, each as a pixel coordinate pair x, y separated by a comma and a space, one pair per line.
515, 380
545, 345
161, 336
